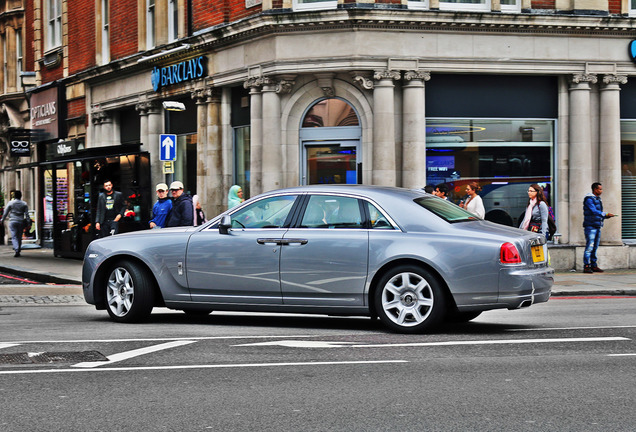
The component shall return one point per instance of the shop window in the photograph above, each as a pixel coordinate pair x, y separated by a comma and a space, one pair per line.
54, 24
242, 158
331, 113
628, 178
503, 156
465, 5
299, 5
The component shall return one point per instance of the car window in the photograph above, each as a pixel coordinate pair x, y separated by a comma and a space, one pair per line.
332, 212
445, 209
266, 213
377, 219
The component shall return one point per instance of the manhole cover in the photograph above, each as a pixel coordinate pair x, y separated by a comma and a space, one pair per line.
52, 357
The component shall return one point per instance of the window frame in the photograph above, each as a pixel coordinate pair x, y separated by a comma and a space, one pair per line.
297, 5
151, 15
53, 37
468, 7
105, 30
173, 20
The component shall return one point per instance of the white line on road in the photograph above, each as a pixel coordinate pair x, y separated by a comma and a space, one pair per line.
8, 345
571, 328
134, 353
217, 366
326, 344
622, 355
159, 339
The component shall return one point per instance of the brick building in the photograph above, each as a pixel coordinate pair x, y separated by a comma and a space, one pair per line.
280, 93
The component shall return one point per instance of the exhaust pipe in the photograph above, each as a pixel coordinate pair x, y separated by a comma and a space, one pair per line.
525, 304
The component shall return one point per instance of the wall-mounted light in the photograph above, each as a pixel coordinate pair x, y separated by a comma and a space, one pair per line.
173, 106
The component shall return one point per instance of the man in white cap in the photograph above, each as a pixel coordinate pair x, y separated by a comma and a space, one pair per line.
182, 213
162, 207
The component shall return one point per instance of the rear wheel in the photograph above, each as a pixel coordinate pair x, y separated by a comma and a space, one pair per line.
129, 292
409, 299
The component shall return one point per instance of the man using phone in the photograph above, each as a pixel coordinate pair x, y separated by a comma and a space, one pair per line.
593, 218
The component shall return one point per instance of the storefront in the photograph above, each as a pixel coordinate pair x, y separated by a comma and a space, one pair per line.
71, 183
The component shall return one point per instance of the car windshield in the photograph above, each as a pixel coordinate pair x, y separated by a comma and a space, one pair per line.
446, 210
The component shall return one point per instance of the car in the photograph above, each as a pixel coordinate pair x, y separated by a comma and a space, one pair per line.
411, 259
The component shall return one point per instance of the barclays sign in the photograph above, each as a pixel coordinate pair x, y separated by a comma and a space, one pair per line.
186, 70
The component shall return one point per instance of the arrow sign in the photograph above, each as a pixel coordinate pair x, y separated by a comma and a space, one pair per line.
168, 147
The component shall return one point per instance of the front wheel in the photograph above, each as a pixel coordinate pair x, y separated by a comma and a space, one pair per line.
129, 293
409, 299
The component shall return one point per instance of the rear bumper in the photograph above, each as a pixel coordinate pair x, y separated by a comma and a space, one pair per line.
519, 287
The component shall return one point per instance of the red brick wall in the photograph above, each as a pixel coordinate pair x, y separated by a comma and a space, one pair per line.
543, 4
614, 6
206, 13
76, 108
123, 28
237, 9
81, 30
28, 37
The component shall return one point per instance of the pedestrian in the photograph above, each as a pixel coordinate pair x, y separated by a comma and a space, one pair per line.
199, 215
17, 212
536, 216
235, 196
593, 218
110, 209
441, 190
429, 189
474, 203
162, 207
182, 213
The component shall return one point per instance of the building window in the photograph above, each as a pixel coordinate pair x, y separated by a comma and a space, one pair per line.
150, 24
418, 4
632, 8
19, 59
299, 5
5, 65
330, 113
465, 5
105, 32
628, 180
503, 156
511, 5
54, 24
173, 21
242, 158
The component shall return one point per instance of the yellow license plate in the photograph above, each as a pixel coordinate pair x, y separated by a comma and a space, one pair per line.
537, 254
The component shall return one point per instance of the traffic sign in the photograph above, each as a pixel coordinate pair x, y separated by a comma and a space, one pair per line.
167, 147
168, 167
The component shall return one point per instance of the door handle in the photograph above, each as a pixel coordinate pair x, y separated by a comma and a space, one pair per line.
269, 240
293, 241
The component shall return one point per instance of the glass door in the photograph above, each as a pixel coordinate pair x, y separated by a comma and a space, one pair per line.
331, 163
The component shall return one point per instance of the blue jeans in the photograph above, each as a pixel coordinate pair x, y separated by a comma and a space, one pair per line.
592, 240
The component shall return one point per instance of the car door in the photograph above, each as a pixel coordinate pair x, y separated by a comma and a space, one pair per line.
324, 258
242, 266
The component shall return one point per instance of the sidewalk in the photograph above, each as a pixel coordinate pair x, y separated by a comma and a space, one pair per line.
40, 265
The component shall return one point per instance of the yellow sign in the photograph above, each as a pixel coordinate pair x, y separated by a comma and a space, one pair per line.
537, 254
168, 167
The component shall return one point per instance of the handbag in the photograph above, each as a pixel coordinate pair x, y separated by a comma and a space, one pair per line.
534, 226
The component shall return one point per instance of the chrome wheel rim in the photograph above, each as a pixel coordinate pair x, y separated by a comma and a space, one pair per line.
407, 299
120, 292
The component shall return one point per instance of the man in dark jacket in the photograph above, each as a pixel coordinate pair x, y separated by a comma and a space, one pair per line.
593, 218
110, 209
182, 213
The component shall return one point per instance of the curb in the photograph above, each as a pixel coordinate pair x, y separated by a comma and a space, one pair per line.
40, 277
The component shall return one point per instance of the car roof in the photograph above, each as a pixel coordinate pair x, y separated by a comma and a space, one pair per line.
370, 191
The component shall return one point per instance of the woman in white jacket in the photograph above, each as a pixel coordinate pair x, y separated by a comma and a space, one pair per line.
474, 204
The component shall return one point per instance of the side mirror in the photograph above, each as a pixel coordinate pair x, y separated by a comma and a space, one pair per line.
225, 224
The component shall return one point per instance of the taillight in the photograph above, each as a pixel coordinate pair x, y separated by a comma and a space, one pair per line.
509, 254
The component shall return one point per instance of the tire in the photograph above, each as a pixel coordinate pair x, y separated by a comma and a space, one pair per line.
409, 299
462, 317
129, 292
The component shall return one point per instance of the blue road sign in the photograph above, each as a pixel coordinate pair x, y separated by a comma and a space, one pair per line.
168, 147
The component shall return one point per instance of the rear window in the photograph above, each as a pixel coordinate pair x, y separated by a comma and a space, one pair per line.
445, 209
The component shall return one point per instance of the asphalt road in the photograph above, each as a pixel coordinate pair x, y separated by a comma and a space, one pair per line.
567, 365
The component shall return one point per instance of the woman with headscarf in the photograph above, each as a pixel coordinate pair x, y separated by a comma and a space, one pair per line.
235, 196
536, 217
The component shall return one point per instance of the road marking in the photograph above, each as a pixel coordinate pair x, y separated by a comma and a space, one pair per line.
622, 355
159, 339
302, 344
8, 345
134, 353
218, 366
571, 328
325, 344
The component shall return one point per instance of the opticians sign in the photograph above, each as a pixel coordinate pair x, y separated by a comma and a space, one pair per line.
184, 71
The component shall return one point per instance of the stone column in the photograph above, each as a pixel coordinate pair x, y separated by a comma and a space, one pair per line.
581, 177
107, 131
155, 128
256, 135
273, 140
96, 121
414, 130
384, 168
214, 180
610, 155
142, 109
